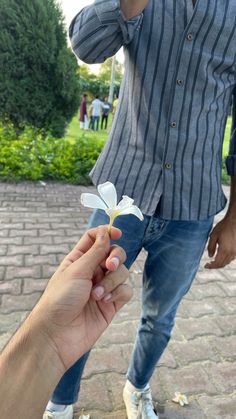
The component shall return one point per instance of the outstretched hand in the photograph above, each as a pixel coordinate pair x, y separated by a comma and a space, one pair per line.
83, 295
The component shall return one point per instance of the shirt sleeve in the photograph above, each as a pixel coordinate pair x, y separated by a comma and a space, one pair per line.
231, 158
100, 30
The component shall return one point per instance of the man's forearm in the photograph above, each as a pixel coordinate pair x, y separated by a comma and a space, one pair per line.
132, 8
28, 366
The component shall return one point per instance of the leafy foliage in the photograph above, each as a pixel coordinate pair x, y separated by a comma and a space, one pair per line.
99, 84
31, 156
38, 73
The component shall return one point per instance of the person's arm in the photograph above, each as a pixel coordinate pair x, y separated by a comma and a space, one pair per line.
29, 371
132, 8
65, 323
222, 243
101, 29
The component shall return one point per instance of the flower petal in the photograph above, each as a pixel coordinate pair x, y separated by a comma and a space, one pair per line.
185, 400
133, 209
108, 193
125, 202
92, 201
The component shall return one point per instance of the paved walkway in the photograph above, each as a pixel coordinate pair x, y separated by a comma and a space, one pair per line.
38, 226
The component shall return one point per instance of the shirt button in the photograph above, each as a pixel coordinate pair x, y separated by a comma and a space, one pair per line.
190, 37
180, 82
168, 166
173, 124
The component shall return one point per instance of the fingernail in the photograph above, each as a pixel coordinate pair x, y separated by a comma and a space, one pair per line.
115, 261
99, 291
107, 297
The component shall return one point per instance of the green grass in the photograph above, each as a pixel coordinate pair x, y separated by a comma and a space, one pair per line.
225, 177
74, 131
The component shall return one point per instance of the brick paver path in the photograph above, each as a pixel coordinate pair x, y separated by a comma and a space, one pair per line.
38, 226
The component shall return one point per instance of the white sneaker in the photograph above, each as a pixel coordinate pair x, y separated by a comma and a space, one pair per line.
139, 404
67, 413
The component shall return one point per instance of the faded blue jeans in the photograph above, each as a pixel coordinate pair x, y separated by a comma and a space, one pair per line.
174, 252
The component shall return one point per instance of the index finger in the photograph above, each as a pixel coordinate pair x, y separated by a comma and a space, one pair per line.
86, 242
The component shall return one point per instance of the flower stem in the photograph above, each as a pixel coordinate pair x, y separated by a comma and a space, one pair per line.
110, 226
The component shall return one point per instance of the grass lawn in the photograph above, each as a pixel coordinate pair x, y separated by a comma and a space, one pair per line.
74, 131
225, 177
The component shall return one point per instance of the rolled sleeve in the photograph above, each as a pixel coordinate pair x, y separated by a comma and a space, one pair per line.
230, 160
100, 30
109, 12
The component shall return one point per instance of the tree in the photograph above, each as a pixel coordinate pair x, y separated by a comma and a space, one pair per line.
99, 84
105, 71
38, 81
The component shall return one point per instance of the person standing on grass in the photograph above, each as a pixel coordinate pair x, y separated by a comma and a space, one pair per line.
96, 109
105, 112
114, 105
83, 113
164, 150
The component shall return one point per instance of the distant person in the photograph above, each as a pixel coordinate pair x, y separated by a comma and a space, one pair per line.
96, 112
105, 112
115, 104
83, 113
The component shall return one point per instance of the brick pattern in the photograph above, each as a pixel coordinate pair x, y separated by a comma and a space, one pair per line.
38, 226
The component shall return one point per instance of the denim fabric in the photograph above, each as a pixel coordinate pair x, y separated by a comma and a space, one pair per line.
95, 120
174, 252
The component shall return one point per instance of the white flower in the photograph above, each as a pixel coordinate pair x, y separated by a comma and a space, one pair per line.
180, 398
84, 417
108, 202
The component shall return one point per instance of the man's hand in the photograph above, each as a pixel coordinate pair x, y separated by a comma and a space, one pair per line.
83, 295
132, 8
65, 323
222, 243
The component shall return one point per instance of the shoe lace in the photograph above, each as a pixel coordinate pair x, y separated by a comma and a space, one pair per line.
136, 397
147, 404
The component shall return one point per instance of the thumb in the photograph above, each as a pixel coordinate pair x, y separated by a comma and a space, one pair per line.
87, 264
212, 245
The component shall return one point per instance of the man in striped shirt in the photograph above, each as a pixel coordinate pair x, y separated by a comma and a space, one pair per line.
164, 151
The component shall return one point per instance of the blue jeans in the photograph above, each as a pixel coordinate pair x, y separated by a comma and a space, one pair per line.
95, 119
174, 252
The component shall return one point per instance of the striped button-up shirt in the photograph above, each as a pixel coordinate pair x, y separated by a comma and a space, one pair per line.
165, 145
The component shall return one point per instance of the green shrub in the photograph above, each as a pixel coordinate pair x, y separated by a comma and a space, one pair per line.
39, 85
31, 156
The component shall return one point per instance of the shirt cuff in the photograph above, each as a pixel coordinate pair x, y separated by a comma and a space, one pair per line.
230, 162
109, 13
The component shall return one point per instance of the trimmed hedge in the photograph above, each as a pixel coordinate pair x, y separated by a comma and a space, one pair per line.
31, 156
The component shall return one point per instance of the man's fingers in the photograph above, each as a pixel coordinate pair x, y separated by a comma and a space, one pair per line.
86, 242
222, 259
89, 237
121, 296
116, 258
111, 281
87, 264
212, 245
